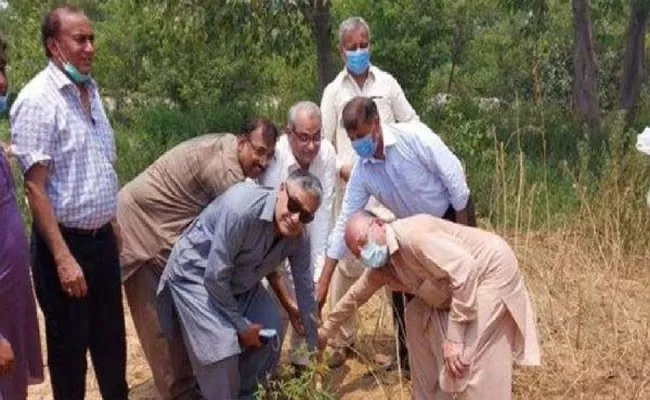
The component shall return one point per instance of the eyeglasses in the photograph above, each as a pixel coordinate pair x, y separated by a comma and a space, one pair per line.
261, 151
305, 138
294, 207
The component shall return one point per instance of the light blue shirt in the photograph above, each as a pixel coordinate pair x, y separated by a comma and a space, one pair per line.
49, 126
419, 175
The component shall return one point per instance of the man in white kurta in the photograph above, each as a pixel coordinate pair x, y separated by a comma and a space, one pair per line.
471, 316
358, 78
302, 148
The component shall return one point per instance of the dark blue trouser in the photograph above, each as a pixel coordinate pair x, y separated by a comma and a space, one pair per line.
75, 325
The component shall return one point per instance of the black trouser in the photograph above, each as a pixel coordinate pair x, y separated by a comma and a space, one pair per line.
75, 325
400, 299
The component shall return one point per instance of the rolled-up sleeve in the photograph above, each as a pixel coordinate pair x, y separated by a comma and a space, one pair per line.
355, 199
369, 282
440, 160
300, 260
230, 229
460, 266
33, 132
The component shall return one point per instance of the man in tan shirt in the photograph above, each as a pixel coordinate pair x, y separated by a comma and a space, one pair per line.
471, 315
155, 208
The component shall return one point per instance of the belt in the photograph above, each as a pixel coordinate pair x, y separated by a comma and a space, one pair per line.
101, 231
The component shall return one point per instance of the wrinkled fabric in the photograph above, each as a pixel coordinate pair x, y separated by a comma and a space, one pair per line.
155, 207
223, 255
468, 289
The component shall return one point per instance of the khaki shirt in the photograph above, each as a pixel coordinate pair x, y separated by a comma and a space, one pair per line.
155, 207
443, 264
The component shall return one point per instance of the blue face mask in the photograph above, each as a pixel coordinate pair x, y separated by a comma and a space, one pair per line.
3, 103
357, 61
365, 147
374, 255
74, 74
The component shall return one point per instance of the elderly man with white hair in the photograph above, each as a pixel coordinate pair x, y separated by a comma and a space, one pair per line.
471, 316
358, 78
302, 148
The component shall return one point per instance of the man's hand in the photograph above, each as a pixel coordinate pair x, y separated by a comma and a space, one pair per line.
251, 336
72, 277
6, 357
294, 317
451, 352
345, 172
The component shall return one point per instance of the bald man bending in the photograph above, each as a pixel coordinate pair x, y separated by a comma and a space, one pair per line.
471, 316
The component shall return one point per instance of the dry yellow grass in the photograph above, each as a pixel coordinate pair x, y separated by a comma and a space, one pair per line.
593, 320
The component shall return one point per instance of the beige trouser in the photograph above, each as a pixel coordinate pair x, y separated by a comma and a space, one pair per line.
170, 365
490, 362
347, 272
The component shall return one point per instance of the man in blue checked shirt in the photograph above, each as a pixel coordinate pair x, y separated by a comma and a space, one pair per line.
66, 149
409, 170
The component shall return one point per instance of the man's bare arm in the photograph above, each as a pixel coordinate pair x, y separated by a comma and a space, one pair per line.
69, 271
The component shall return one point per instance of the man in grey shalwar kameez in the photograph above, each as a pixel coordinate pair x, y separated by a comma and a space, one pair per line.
212, 282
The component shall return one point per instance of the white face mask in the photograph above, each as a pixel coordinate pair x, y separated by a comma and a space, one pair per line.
374, 255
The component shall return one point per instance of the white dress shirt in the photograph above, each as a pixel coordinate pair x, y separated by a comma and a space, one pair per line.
381, 86
322, 167
419, 175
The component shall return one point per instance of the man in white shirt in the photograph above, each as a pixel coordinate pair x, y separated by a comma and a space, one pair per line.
302, 148
358, 78
405, 166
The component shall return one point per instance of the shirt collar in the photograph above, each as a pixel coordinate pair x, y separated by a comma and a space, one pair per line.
391, 239
268, 212
371, 73
62, 80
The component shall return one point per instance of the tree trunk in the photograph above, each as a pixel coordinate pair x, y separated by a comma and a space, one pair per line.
632, 75
318, 15
584, 80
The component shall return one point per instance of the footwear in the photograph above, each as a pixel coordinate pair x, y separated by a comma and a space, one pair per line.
339, 356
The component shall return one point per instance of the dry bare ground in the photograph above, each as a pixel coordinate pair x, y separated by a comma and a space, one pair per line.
593, 319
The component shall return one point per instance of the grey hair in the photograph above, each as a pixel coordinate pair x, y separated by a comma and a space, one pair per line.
307, 182
352, 24
309, 107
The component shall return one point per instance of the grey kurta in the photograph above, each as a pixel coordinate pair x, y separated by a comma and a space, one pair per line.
224, 254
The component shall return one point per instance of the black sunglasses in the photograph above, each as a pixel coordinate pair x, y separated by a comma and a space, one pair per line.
294, 207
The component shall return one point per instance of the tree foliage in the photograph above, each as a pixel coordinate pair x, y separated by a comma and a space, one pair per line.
194, 54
